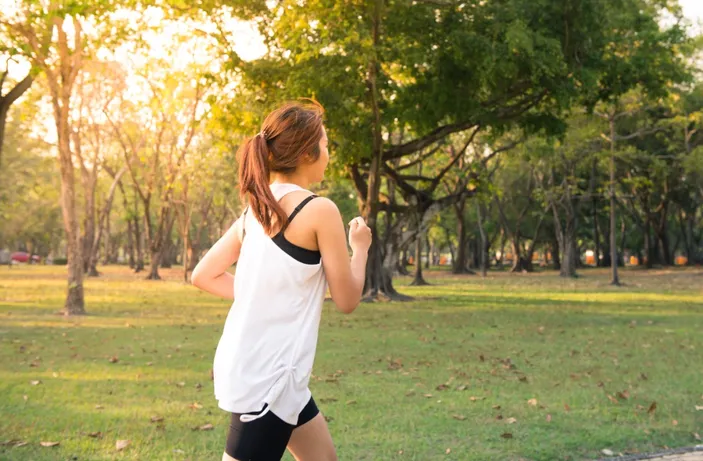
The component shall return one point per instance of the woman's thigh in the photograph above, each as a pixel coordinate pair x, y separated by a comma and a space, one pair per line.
312, 441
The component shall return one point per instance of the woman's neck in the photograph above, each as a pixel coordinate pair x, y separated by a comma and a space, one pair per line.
296, 179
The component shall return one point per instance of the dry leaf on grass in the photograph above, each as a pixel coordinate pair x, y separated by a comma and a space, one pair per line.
511, 420
122, 444
351, 402
459, 417
532, 402
99, 407
699, 407
474, 399
549, 418
114, 359
195, 406
507, 435
612, 399
449, 450
652, 408
607, 452
49, 444
206, 427
157, 419
95, 435
35, 382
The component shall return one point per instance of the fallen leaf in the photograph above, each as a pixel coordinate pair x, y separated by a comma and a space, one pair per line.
442, 387
99, 407
523, 379
25, 397
696, 436
449, 450
549, 418
496, 407
675, 423
157, 419
612, 399
328, 418
21, 444
481, 358
195, 406
198, 386
532, 402
149, 364
459, 417
351, 402
643, 376
427, 395
567, 407
511, 420
206, 427
607, 452
329, 400
474, 399
652, 408
507, 435
624, 395
699, 407
178, 451
35, 382
114, 359
409, 393
181, 384
49, 444
122, 444
499, 417
95, 435
461, 388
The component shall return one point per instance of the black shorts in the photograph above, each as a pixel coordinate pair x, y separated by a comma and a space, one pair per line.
266, 438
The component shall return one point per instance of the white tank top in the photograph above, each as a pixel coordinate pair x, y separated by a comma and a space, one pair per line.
267, 348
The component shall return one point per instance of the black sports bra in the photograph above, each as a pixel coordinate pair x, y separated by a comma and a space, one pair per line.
296, 252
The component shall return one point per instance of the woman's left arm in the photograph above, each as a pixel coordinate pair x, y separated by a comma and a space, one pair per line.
211, 272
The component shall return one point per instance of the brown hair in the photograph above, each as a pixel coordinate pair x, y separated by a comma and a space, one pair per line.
287, 135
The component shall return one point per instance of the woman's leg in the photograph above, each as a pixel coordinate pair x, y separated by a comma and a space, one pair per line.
226, 457
312, 441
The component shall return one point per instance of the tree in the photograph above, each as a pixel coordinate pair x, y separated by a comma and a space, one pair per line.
52, 37
426, 69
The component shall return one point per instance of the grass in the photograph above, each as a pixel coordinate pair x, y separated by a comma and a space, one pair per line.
436, 378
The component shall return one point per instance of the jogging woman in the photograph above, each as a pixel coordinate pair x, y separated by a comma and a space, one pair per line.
289, 246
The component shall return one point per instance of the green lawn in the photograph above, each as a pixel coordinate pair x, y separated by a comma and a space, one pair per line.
438, 378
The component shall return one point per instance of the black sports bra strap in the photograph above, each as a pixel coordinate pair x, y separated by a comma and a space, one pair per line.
298, 208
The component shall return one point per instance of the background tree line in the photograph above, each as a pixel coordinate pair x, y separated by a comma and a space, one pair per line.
479, 130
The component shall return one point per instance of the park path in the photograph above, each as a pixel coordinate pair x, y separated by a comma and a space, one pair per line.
691, 454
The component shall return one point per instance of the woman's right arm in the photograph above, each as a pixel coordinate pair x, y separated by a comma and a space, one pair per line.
211, 272
345, 275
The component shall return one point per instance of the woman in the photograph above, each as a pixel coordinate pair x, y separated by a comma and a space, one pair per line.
289, 246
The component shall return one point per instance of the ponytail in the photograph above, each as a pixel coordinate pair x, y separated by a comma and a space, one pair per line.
254, 179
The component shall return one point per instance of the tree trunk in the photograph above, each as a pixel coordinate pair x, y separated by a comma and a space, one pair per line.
75, 303
418, 279
556, 261
139, 242
596, 233
428, 261
5, 103
379, 282
483, 245
459, 263
615, 279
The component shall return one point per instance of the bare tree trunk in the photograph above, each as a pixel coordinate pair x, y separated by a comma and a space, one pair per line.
418, 280
483, 247
615, 280
7, 100
459, 263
